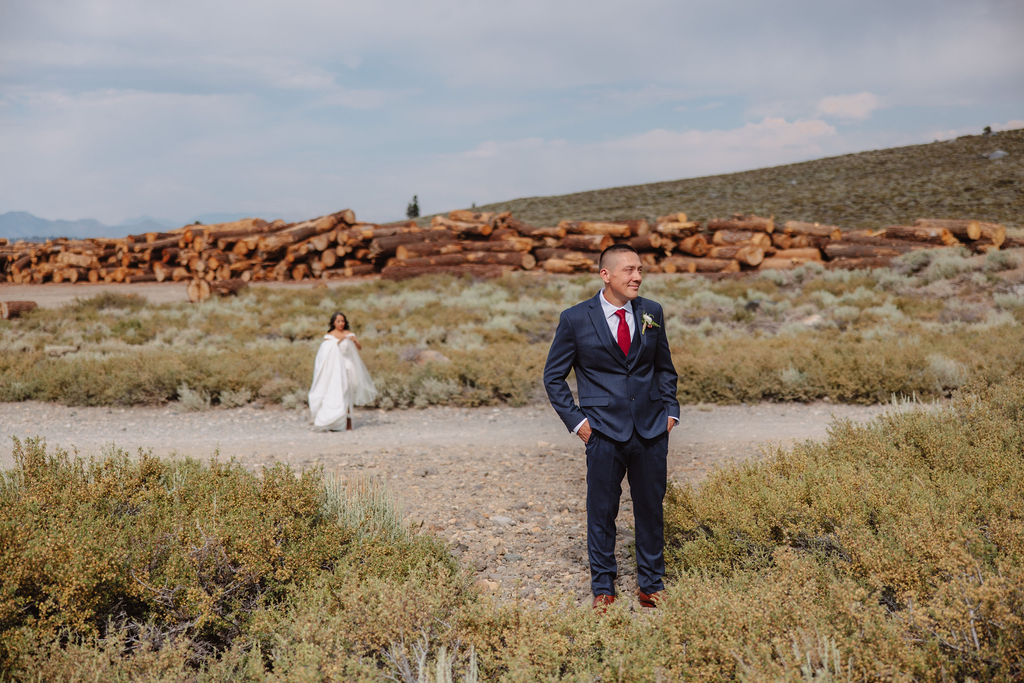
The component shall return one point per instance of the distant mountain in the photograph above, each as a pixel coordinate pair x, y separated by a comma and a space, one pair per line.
21, 225
134, 226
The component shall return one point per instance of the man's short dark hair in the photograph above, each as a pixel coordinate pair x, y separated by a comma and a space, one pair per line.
613, 249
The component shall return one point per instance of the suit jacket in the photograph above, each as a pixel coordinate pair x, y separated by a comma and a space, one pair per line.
617, 393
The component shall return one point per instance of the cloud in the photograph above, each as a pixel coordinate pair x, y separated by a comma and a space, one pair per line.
121, 107
849, 107
112, 153
693, 47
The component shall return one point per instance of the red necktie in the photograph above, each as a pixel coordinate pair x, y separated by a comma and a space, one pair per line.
623, 331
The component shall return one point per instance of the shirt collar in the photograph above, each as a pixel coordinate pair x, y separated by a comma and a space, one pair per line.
609, 309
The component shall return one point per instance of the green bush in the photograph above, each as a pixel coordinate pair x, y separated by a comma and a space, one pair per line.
910, 530
892, 550
144, 555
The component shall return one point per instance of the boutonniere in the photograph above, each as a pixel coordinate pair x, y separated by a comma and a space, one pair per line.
647, 321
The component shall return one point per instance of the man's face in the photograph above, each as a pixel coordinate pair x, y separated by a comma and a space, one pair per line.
622, 276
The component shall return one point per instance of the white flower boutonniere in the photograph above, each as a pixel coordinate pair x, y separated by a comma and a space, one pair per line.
647, 321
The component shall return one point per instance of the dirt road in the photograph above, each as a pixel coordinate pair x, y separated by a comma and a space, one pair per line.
504, 487
52, 295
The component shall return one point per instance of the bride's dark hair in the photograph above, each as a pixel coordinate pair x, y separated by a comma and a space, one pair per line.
335, 317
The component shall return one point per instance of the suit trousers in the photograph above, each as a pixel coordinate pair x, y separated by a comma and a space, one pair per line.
644, 462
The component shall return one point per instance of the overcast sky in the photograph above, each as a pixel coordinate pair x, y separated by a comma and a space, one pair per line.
112, 109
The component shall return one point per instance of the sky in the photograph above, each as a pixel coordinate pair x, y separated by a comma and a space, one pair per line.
115, 109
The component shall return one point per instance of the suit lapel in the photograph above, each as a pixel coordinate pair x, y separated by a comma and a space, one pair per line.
604, 331
636, 345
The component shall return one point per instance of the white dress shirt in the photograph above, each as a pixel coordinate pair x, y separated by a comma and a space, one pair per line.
613, 320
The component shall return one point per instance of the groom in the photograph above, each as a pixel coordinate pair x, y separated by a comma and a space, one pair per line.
616, 343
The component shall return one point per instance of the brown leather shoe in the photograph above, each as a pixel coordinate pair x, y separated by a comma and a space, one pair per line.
603, 601
649, 600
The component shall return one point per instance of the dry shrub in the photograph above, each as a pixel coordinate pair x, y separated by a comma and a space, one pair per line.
190, 399
847, 367
917, 514
805, 334
180, 563
890, 551
234, 398
346, 629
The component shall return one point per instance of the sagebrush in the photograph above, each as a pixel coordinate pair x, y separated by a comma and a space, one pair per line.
922, 328
892, 550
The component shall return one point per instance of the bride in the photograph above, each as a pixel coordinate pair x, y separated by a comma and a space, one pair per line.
340, 380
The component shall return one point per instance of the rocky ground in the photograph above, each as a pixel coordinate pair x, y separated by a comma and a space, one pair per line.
503, 487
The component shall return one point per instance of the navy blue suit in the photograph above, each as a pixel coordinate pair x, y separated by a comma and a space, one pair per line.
627, 401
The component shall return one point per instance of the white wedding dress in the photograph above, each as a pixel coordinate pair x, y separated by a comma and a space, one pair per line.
340, 380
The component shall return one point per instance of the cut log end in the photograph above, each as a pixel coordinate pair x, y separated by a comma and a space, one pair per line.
198, 291
14, 309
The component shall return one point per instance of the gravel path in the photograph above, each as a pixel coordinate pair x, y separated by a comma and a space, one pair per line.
55, 294
504, 487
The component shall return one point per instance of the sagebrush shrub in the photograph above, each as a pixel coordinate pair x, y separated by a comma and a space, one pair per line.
192, 399
917, 514
892, 550
264, 341
182, 557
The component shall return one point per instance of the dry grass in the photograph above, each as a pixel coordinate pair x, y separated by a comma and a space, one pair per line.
885, 187
924, 327
891, 551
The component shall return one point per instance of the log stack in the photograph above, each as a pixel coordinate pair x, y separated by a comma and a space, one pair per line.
481, 244
251, 249
464, 242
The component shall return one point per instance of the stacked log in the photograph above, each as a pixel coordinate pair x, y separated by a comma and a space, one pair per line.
201, 290
743, 223
13, 309
980, 235
463, 242
676, 226
483, 244
801, 228
694, 245
251, 249
745, 254
727, 245
692, 264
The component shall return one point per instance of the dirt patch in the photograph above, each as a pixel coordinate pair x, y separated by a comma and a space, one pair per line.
54, 295
503, 487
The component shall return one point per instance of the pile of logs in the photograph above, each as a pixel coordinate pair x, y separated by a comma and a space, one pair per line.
248, 249
746, 242
218, 258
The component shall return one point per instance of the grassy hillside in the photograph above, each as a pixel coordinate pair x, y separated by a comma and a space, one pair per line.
951, 179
